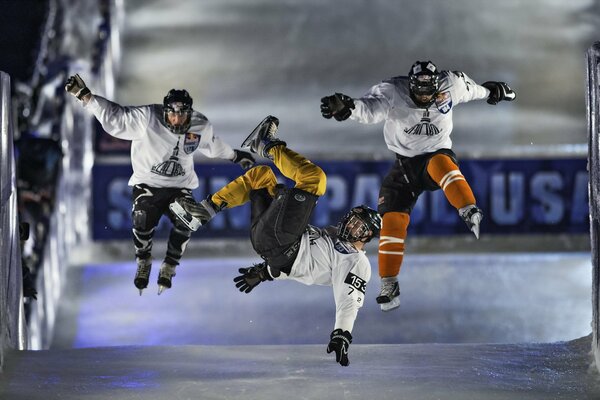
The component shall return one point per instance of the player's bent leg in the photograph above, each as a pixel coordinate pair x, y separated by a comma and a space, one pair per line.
145, 218
237, 192
444, 171
308, 176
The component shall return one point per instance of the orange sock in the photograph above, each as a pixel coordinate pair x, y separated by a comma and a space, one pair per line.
445, 173
391, 243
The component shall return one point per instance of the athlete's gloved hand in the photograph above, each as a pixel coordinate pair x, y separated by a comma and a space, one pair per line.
243, 159
76, 86
499, 91
338, 106
340, 342
251, 277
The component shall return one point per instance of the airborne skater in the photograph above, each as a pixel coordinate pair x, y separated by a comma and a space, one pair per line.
417, 114
281, 235
163, 139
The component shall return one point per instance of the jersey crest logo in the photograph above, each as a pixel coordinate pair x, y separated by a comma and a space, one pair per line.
190, 143
171, 167
443, 102
356, 282
424, 127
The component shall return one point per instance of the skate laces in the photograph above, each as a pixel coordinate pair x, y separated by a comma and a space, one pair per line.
167, 271
143, 269
389, 288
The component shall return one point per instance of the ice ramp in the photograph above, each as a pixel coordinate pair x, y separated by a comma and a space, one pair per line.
408, 371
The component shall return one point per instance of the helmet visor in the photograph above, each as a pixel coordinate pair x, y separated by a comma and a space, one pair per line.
354, 229
424, 84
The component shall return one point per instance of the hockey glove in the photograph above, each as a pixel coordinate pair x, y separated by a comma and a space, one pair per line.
243, 159
499, 91
251, 277
338, 106
76, 86
340, 342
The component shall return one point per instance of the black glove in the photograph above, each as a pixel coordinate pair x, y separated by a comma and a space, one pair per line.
251, 277
76, 86
339, 342
338, 106
499, 91
243, 159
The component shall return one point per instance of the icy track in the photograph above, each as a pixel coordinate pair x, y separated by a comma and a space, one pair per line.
204, 340
415, 371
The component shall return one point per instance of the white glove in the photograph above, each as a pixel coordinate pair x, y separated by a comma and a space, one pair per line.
76, 86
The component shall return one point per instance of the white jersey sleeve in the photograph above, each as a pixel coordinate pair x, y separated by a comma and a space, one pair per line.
463, 88
129, 123
349, 282
375, 105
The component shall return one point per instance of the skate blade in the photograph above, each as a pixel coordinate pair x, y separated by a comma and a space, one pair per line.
391, 305
248, 141
141, 291
191, 222
475, 230
161, 289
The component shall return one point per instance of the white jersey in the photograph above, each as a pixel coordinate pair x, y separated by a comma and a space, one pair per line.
159, 157
325, 260
408, 129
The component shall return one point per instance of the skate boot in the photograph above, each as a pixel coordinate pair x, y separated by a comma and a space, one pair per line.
193, 215
142, 275
472, 216
389, 296
263, 138
166, 274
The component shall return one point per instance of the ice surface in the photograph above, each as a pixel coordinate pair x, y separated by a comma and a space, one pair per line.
409, 371
445, 298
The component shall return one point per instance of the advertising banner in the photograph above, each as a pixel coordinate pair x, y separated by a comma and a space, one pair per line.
517, 197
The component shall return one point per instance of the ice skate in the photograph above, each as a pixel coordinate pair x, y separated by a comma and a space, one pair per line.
389, 296
263, 138
142, 275
193, 215
185, 217
166, 274
472, 216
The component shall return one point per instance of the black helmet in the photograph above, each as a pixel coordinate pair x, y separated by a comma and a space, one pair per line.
361, 224
423, 80
180, 102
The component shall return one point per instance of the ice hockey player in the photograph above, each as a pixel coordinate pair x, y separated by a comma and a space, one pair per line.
417, 115
281, 235
163, 139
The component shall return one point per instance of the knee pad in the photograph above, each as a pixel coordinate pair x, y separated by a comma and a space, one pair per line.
145, 219
140, 219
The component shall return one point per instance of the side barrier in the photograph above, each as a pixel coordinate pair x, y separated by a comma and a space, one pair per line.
593, 112
12, 320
